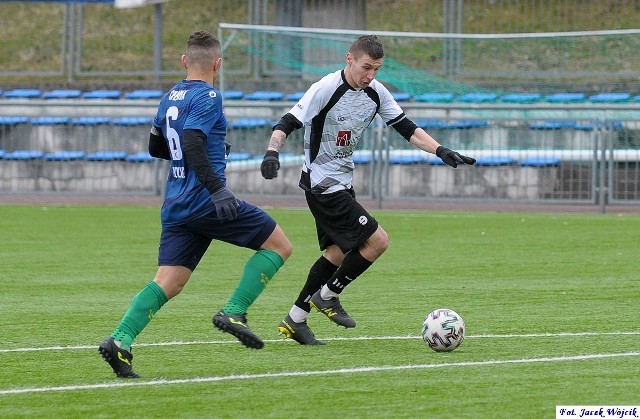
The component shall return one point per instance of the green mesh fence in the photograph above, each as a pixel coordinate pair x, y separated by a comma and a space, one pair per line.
419, 63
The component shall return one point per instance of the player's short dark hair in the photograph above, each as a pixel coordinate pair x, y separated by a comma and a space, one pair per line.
202, 46
367, 44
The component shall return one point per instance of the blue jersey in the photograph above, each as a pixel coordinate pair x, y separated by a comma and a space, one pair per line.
190, 104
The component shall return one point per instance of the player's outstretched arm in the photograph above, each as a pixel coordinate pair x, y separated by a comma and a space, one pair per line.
453, 158
425, 142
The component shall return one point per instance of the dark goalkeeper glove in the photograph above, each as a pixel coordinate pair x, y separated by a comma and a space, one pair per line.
225, 203
453, 158
270, 165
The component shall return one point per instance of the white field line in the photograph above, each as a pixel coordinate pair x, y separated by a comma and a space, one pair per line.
312, 373
356, 338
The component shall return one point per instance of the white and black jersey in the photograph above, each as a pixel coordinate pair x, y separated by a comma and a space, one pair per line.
335, 116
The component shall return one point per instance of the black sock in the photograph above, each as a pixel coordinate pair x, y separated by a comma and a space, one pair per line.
353, 266
319, 274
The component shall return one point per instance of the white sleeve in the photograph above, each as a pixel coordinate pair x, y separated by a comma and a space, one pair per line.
313, 100
389, 108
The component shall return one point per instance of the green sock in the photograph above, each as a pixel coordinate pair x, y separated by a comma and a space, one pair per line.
258, 271
142, 309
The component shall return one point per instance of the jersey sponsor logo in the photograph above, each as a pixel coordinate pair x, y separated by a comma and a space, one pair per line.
344, 154
344, 138
177, 94
212, 93
363, 220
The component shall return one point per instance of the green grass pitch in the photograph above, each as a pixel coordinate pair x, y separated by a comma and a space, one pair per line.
550, 303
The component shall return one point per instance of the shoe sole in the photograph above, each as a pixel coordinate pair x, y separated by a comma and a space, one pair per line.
106, 355
249, 341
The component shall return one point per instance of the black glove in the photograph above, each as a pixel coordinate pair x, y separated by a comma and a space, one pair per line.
227, 148
270, 165
225, 203
452, 158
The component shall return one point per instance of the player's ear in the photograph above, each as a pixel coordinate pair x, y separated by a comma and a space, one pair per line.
349, 58
184, 61
217, 64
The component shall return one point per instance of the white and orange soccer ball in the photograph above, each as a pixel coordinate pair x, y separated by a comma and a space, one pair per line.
443, 330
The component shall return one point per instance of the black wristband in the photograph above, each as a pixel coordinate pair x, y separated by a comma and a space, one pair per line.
272, 153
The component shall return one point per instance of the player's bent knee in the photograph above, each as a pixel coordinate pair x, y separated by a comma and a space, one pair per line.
279, 243
382, 239
378, 243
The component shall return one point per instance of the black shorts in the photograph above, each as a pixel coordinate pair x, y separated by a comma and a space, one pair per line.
340, 220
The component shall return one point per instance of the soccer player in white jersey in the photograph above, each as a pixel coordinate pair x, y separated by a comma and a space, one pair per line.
334, 112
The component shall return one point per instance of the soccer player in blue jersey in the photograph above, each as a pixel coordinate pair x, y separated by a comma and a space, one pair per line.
335, 111
189, 130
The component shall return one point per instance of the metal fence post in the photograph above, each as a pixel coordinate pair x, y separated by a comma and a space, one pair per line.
158, 28
602, 185
69, 28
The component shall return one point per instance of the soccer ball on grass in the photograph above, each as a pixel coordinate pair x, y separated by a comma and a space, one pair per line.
443, 330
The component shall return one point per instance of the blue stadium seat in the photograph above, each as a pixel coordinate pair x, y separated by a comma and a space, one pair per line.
106, 156
141, 157
24, 155
62, 94
435, 97
495, 161
589, 125
102, 94
540, 162
50, 120
132, 120
232, 94
408, 159
521, 98
565, 97
13, 120
239, 156
553, 125
22, 93
294, 97
435, 161
468, 124
249, 123
401, 96
90, 120
477, 97
64, 155
362, 158
144, 94
610, 97
1, 154
427, 124
265, 95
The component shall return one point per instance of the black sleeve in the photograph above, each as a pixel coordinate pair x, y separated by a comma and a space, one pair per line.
404, 126
196, 156
288, 123
157, 145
